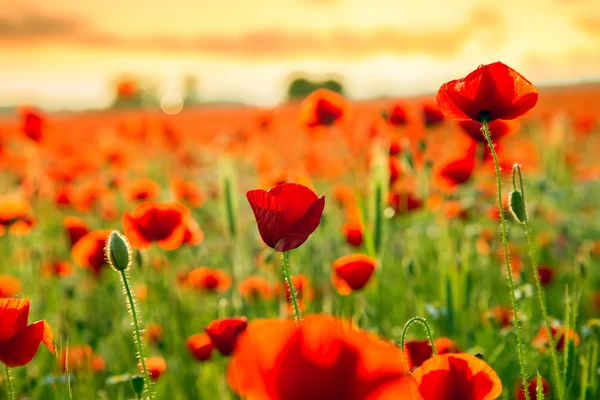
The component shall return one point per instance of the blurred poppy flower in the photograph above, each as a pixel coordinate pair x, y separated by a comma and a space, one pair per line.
156, 367
187, 192
200, 346
255, 287
142, 190
12, 210
280, 360
76, 229
80, 358
455, 376
9, 286
193, 234
88, 252
397, 115
395, 169
542, 339
343, 194
153, 334
57, 268
286, 215
355, 269
502, 316
432, 115
323, 108
545, 273
162, 222
532, 389
403, 202
302, 285
395, 148
224, 333
19, 342
498, 129
32, 123
491, 92
353, 233
456, 172
209, 279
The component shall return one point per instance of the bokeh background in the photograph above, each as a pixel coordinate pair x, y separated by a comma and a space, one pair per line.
72, 55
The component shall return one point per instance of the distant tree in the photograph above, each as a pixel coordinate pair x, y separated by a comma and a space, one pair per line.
127, 93
300, 87
190, 90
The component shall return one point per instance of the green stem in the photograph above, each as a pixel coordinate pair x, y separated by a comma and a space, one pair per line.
539, 288
11, 384
137, 336
423, 323
288, 279
513, 303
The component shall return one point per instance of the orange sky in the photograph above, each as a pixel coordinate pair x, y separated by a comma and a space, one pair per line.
65, 53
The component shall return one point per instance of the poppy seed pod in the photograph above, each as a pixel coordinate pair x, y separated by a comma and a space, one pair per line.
118, 251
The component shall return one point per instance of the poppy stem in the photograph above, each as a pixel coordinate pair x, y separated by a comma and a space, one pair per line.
136, 334
513, 302
421, 321
11, 384
288, 280
538, 284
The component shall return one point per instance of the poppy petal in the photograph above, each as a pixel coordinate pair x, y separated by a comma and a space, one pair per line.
303, 227
22, 347
268, 214
294, 200
13, 317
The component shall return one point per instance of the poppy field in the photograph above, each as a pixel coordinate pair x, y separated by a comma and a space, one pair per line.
444, 247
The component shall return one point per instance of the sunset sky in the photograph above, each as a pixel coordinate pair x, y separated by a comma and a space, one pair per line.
66, 53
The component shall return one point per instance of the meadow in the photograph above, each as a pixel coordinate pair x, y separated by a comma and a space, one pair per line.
410, 228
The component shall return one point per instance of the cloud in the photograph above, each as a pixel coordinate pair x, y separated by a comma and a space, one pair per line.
269, 43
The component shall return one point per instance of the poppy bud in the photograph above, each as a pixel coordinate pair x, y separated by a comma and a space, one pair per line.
117, 251
517, 207
137, 382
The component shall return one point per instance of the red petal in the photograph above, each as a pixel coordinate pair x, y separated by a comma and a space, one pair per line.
268, 214
303, 227
23, 346
294, 200
13, 317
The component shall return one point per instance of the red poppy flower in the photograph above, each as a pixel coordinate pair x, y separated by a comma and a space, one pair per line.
455, 376
302, 286
455, 172
498, 129
193, 234
9, 286
397, 115
395, 169
88, 252
501, 315
255, 287
57, 268
286, 215
80, 358
164, 223
209, 279
142, 190
395, 148
187, 192
532, 389
19, 342
319, 359
559, 333
200, 346
404, 202
491, 92
432, 115
323, 108
153, 333
76, 229
32, 123
355, 269
156, 366
224, 333
545, 273
418, 351
352, 231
